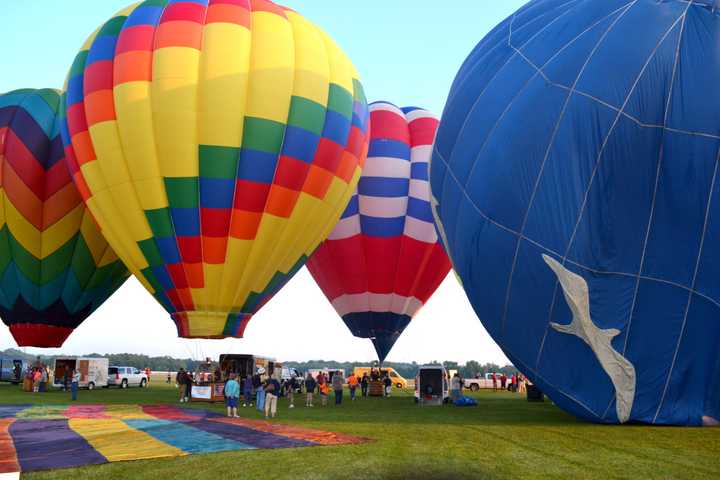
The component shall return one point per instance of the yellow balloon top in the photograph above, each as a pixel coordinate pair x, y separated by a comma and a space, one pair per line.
217, 144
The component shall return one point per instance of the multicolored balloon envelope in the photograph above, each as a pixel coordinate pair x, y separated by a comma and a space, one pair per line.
55, 266
576, 178
217, 144
383, 260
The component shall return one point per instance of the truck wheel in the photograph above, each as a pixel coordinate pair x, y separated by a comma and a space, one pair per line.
91, 386
124, 384
143, 382
474, 387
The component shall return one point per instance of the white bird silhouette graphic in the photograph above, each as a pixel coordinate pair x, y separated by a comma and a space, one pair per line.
618, 368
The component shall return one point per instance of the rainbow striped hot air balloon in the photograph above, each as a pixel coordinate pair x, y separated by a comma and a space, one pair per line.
55, 266
383, 260
217, 144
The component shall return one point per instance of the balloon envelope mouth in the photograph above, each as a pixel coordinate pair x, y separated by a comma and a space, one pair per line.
210, 325
39, 335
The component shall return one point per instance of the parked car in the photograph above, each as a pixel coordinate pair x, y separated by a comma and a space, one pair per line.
93, 371
329, 372
476, 384
124, 377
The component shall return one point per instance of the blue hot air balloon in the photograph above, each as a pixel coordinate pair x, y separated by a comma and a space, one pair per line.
575, 176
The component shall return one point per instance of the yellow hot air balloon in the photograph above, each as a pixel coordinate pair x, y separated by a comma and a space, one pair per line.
217, 144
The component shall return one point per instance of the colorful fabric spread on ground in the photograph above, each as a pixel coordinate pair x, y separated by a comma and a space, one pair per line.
44, 437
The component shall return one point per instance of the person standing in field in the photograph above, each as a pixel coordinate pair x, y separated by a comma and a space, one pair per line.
75, 384
323, 388
364, 384
309, 389
188, 386
290, 387
388, 384
494, 380
44, 376
455, 387
180, 381
337, 384
248, 390
272, 390
352, 382
503, 381
232, 395
36, 376
147, 374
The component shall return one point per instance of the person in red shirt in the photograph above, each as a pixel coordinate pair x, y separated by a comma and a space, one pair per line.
147, 374
494, 379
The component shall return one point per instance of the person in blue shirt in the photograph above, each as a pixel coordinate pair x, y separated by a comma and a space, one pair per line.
248, 391
232, 394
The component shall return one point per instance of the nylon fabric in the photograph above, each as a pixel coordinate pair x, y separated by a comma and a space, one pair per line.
575, 178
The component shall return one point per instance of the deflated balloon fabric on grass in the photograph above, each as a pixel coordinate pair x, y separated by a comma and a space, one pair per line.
46, 437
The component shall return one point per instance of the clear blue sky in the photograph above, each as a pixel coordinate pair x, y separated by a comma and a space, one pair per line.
407, 52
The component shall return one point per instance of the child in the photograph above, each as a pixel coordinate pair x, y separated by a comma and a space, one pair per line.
324, 391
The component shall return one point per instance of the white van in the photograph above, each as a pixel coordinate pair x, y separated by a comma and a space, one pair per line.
93, 371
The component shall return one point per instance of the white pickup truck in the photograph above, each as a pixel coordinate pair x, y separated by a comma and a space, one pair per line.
476, 384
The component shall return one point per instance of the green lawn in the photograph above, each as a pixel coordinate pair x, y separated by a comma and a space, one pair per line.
504, 437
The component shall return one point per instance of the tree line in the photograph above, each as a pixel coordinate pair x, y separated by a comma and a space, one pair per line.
167, 363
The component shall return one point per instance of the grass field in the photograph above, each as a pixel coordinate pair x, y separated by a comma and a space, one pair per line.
503, 437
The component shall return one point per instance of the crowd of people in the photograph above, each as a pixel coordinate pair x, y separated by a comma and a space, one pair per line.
36, 379
517, 382
263, 390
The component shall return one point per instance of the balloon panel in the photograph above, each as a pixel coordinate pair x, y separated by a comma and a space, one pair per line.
56, 268
383, 260
217, 143
575, 175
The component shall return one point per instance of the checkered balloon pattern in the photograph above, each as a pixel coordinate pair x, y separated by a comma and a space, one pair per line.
383, 260
217, 143
55, 266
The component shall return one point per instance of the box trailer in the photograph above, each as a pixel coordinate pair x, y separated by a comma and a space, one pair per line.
12, 370
93, 371
431, 385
